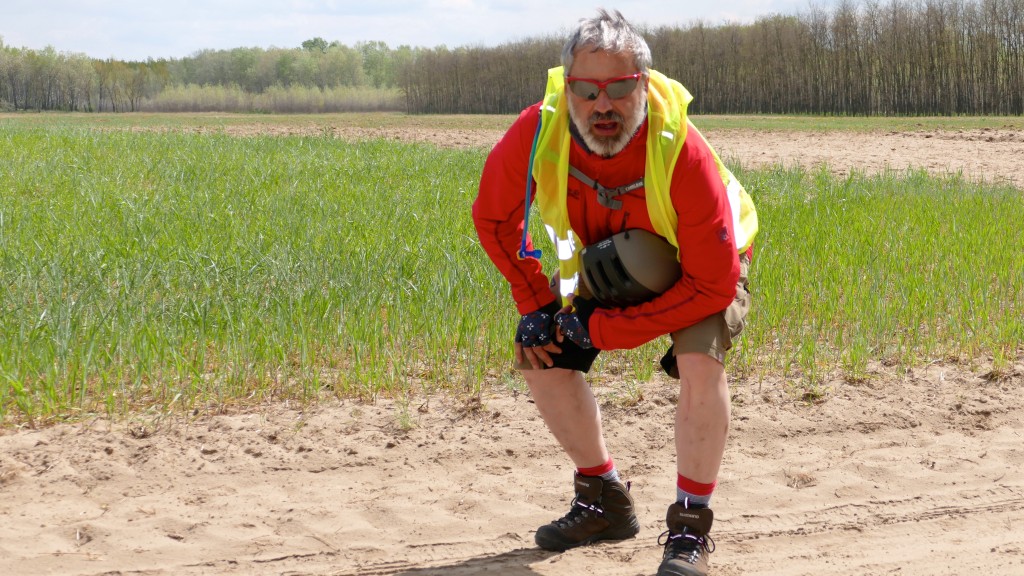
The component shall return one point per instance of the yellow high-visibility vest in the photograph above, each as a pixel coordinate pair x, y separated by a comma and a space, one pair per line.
667, 101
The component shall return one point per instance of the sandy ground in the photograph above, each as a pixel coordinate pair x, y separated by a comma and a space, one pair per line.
916, 472
982, 155
991, 154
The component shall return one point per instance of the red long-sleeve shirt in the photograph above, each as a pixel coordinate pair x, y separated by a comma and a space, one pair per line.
707, 248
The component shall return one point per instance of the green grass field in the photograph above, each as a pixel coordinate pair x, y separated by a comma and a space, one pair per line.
179, 271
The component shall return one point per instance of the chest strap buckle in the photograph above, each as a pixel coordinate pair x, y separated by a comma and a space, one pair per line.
606, 196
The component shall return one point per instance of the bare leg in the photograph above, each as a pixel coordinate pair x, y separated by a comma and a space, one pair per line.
702, 417
569, 409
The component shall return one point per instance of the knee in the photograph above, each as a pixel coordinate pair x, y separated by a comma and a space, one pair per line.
700, 369
550, 378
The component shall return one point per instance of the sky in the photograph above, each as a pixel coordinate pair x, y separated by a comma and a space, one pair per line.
140, 29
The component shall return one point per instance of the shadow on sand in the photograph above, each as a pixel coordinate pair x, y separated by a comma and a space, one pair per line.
511, 563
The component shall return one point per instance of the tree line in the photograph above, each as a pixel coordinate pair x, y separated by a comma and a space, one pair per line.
241, 79
861, 57
870, 57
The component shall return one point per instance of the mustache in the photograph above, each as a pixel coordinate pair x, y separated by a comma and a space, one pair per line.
605, 116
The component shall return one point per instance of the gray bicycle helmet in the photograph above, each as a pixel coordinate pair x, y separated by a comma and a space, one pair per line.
629, 268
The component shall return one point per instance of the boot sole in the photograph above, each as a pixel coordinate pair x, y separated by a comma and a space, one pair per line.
555, 545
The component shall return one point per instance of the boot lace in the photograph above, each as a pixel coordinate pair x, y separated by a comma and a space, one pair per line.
686, 547
578, 513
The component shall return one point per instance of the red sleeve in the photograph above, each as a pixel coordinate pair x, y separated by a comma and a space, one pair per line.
498, 213
708, 256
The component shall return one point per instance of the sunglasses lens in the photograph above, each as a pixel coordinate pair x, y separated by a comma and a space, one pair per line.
621, 89
584, 89
590, 90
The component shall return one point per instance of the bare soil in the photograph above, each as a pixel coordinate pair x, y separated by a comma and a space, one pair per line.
910, 472
990, 154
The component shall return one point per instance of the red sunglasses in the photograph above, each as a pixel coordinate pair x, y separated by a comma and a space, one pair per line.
615, 88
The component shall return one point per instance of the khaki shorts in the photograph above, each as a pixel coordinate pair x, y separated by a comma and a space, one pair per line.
713, 335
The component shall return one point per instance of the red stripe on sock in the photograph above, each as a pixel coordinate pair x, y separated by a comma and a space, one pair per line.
597, 470
695, 488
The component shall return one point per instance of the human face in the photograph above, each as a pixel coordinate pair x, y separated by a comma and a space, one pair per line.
606, 124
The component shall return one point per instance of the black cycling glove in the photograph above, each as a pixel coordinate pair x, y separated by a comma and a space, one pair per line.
536, 328
574, 324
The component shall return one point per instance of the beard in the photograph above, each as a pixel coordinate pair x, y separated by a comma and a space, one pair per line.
608, 146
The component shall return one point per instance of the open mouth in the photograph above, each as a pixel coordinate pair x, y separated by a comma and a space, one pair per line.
605, 125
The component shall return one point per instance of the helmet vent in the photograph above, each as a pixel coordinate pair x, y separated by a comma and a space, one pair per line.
629, 268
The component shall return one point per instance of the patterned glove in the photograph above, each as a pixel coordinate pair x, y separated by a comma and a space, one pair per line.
574, 324
535, 329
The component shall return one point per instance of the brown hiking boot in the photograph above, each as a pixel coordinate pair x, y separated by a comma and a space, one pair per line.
687, 544
601, 511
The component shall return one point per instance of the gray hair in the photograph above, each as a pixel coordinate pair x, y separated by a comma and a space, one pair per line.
610, 32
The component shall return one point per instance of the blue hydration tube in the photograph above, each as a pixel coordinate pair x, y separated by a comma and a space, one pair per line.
523, 252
